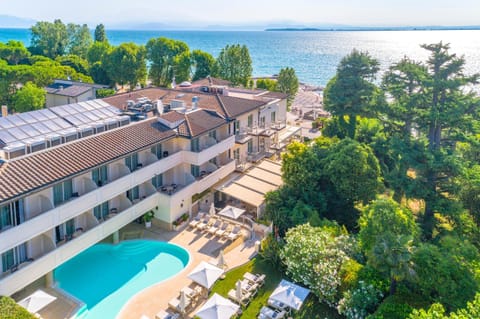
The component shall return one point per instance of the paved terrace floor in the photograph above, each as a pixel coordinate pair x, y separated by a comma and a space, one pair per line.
202, 247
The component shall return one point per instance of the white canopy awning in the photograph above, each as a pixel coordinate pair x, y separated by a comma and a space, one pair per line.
231, 212
37, 301
290, 294
205, 274
217, 307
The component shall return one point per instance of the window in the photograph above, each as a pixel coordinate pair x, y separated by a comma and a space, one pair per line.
236, 127
195, 170
14, 256
101, 211
100, 175
273, 115
262, 121
133, 193
236, 154
11, 214
157, 150
132, 162
250, 146
213, 134
62, 192
195, 145
250, 120
157, 181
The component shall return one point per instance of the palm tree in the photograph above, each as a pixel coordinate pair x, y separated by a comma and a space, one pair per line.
392, 256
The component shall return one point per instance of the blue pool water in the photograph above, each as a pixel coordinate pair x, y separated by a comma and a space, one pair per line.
106, 276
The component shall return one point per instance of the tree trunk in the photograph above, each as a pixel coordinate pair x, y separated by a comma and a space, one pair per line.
393, 286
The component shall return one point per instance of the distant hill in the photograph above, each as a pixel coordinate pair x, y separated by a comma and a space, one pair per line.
7, 21
355, 28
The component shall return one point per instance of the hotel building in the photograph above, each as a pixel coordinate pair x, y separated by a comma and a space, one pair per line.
72, 175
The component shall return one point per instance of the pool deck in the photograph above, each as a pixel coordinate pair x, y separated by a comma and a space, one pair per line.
201, 247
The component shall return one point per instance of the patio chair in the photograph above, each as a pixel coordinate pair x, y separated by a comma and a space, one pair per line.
269, 313
249, 286
235, 233
207, 225
258, 279
197, 219
213, 229
222, 229
162, 314
175, 303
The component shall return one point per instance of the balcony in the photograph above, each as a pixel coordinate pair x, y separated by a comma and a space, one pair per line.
278, 125
198, 158
255, 130
49, 218
242, 136
31, 271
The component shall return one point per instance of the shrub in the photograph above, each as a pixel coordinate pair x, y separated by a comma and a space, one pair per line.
101, 93
392, 308
360, 302
10, 310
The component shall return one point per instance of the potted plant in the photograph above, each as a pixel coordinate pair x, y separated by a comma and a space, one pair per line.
147, 218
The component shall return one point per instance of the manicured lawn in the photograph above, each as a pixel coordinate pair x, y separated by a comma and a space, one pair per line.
312, 309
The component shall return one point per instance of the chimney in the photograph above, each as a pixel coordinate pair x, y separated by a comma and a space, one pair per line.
4, 111
194, 102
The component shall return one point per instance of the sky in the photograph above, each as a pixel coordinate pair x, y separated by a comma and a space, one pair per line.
251, 12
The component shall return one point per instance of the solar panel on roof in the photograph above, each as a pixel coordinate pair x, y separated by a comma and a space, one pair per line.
73, 120
102, 103
70, 109
39, 116
62, 123
18, 133
107, 113
16, 120
27, 118
52, 126
83, 118
29, 130
91, 116
59, 111
41, 128
80, 107
4, 123
87, 106
7, 138
48, 114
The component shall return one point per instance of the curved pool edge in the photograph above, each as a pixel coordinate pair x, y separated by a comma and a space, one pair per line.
190, 256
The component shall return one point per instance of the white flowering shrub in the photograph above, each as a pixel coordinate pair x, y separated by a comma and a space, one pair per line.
358, 303
313, 256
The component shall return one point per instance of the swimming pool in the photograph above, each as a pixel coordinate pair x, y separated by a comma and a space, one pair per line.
106, 276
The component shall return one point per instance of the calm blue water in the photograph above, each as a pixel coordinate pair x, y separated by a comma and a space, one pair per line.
314, 55
106, 276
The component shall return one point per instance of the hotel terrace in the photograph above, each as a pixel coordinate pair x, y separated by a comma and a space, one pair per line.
72, 175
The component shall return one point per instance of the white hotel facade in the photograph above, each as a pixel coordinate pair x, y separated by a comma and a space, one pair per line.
72, 175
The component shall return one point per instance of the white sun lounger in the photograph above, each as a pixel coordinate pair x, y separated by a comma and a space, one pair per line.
269, 313
257, 279
224, 228
196, 220
213, 229
203, 223
234, 234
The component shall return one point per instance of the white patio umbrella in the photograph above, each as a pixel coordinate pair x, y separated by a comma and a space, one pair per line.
182, 305
212, 211
217, 307
221, 260
205, 274
37, 301
290, 294
231, 212
238, 290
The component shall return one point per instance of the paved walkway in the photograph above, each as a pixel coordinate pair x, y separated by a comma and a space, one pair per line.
202, 247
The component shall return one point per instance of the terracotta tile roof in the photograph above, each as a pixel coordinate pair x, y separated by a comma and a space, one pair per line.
275, 95
235, 106
42, 169
202, 121
211, 81
67, 90
173, 116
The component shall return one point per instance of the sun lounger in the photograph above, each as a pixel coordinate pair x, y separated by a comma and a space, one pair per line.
203, 223
258, 279
234, 234
269, 313
222, 229
175, 303
213, 229
277, 304
162, 314
196, 220
245, 300
248, 286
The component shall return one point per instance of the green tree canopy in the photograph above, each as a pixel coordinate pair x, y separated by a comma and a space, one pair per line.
75, 62
30, 97
169, 58
100, 35
125, 64
267, 84
203, 64
13, 52
351, 92
287, 83
385, 216
49, 39
79, 39
234, 64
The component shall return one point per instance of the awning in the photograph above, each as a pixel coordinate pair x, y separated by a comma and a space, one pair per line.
271, 167
244, 194
217, 307
231, 212
255, 184
205, 274
37, 301
265, 176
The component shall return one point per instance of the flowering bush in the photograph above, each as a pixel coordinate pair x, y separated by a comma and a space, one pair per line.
360, 302
313, 256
